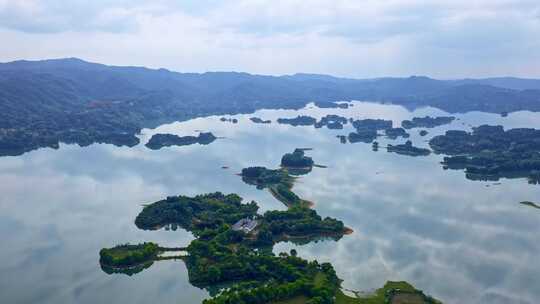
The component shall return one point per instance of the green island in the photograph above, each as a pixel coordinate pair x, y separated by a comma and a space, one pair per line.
233, 120
259, 120
232, 256
408, 149
278, 181
301, 120
159, 141
394, 133
427, 122
296, 159
491, 153
330, 104
331, 121
367, 129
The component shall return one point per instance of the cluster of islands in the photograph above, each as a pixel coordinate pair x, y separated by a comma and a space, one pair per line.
232, 254
490, 152
486, 153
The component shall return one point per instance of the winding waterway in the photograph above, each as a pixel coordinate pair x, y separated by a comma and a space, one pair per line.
459, 240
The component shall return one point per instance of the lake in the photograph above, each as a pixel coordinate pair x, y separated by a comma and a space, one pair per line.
460, 241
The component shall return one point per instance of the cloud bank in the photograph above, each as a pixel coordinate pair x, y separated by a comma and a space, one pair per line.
445, 39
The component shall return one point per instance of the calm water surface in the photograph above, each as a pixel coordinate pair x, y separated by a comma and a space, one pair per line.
461, 241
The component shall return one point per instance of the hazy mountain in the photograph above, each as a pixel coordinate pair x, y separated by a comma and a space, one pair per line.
71, 100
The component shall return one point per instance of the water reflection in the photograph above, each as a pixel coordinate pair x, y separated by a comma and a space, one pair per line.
456, 239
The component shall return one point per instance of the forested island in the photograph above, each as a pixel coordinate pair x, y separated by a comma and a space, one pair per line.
301, 120
408, 149
490, 152
233, 120
427, 122
228, 254
159, 141
297, 159
332, 121
394, 133
232, 253
259, 120
328, 104
366, 129
277, 181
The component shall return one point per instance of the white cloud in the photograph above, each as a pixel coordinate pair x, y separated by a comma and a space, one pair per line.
351, 38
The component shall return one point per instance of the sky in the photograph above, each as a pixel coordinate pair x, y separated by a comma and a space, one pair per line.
350, 38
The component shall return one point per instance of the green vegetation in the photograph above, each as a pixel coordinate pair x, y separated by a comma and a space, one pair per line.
300, 120
427, 122
408, 149
199, 214
490, 152
394, 133
366, 129
297, 159
363, 135
391, 293
259, 121
332, 121
328, 104
237, 266
128, 255
159, 141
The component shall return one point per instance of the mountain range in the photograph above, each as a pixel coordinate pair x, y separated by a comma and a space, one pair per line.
74, 101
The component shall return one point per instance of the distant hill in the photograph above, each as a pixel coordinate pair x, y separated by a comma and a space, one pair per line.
71, 100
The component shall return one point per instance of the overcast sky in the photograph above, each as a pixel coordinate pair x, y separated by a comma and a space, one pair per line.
357, 38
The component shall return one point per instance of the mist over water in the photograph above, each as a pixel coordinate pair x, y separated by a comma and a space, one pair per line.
459, 240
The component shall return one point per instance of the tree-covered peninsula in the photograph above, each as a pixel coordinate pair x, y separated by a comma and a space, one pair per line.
159, 141
233, 262
232, 253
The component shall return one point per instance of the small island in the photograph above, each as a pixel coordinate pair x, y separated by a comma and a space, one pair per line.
423, 133
128, 258
334, 122
301, 120
366, 129
159, 141
427, 122
297, 159
372, 124
258, 120
363, 135
233, 120
394, 133
408, 149
330, 104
